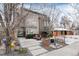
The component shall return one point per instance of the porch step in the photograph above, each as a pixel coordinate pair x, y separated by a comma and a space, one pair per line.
38, 51
34, 47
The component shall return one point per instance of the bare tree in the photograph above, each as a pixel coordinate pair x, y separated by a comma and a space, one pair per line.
75, 23
65, 22
10, 18
54, 15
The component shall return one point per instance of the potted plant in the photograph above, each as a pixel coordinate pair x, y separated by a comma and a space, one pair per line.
45, 40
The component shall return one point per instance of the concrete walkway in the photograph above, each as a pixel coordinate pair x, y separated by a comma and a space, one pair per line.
33, 46
25, 43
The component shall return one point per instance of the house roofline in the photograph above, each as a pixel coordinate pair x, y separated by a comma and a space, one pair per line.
34, 12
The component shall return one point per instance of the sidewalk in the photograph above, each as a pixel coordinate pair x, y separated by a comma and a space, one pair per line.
70, 50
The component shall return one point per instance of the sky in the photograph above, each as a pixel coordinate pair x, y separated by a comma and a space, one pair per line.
61, 6
39, 7
64, 7
46, 7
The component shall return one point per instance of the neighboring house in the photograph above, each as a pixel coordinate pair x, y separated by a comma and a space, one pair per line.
62, 31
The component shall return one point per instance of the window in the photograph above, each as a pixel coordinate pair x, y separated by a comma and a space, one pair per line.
63, 32
21, 32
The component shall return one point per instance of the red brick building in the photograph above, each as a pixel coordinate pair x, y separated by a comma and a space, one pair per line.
61, 31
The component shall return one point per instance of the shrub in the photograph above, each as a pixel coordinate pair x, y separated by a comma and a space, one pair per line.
50, 35
30, 36
22, 50
44, 34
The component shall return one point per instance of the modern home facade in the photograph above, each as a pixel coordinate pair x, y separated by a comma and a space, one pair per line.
34, 23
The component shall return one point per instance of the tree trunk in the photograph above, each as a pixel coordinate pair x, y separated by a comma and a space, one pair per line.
8, 42
10, 36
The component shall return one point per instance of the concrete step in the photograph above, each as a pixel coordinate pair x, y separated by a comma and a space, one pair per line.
38, 51
34, 47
